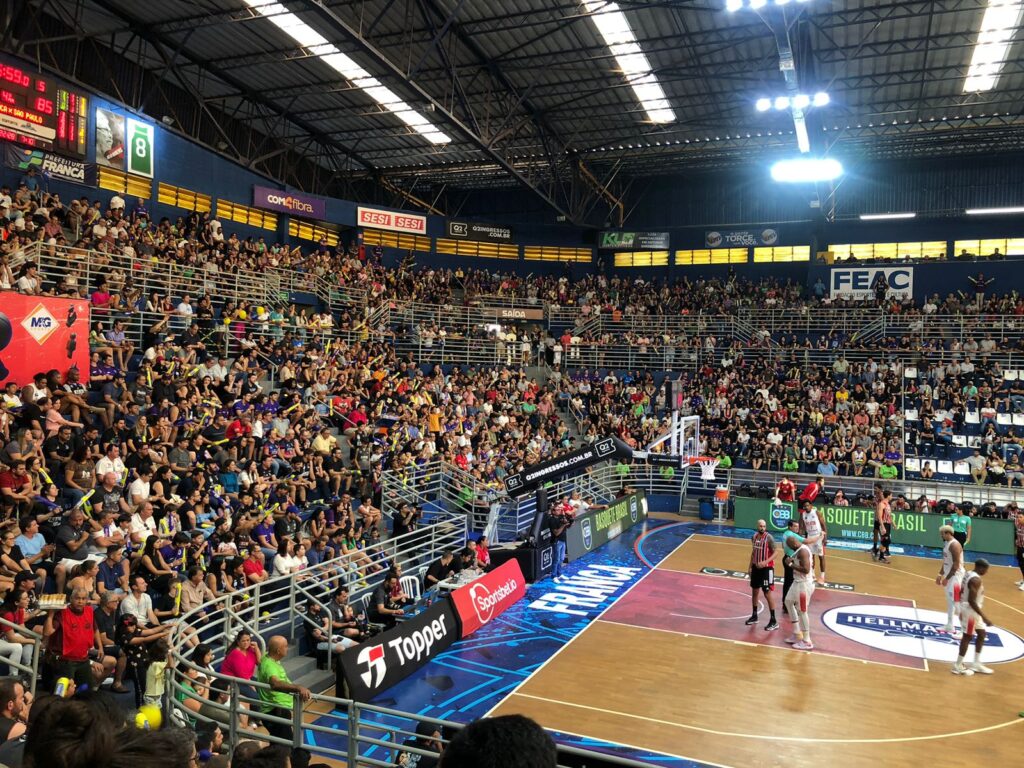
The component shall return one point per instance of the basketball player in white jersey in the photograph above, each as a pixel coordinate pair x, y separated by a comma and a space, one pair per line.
798, 600
974, 620
951, 575
813, 523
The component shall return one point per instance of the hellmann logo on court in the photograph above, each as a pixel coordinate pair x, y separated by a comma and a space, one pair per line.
894, 626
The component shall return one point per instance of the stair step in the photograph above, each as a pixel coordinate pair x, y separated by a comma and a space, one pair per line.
317, 680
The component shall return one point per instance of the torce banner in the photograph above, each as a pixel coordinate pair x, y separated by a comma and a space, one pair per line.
738, 238
383, 660
38, 333
861, 282
634, 241
484, 233
50, 165
294, 203
600, 526
476, 604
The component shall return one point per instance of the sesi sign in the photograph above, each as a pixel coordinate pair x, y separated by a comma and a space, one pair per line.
477, 603
862, 282
393, 221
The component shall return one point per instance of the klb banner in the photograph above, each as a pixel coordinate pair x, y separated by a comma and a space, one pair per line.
39, 333
50, 165
484, 233
383, 660
866, 282
633, 241
738, 238
476, 604
293, 203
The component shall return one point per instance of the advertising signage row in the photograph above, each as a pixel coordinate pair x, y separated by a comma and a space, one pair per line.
987, 535
385, 659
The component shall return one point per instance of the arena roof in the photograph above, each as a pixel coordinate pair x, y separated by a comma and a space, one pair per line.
526, 90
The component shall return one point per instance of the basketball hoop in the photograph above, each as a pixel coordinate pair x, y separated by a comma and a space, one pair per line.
707, 466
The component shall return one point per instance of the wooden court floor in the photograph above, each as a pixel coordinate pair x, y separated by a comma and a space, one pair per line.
740, 704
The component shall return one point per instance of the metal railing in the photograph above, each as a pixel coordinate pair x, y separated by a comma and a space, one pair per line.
29, 672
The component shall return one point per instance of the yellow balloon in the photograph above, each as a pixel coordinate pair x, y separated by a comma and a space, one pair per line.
149, 717
260, 310
227, 321
241, 314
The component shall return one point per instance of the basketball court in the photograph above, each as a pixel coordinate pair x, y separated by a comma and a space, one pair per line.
671, 667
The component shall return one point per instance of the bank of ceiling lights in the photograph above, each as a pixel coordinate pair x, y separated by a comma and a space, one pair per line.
755, 5
316, 44
614, 29
998, 26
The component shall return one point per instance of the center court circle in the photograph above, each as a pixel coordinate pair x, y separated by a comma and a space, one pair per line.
915, 632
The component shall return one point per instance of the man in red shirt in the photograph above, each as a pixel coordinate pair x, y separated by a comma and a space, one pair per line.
785, 490
74, 640
253, 567
813, 489
16, 490
239, 434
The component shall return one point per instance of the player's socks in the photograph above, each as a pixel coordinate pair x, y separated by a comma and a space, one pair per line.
960, 660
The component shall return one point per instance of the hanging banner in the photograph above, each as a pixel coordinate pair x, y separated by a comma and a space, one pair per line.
633, 241
865, 282
140, 148
50, 165
109, 139
393, 221
730, 238
40, 333
484, 233
294, 203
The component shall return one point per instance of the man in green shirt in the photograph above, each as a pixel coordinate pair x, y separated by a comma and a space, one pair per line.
888, 470
278, 699
790, 464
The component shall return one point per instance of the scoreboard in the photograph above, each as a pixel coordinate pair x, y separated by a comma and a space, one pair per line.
37, 112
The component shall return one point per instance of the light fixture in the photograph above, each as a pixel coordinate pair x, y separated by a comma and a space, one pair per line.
994, 211
763, 104
755, 4
821, 99
614, 28
733, 5
998, 27
782, 102
801, 101
886, 216
806, 170
316, 44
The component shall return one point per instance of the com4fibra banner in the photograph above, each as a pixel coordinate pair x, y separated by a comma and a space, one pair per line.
383, 660
990, 536
599, 526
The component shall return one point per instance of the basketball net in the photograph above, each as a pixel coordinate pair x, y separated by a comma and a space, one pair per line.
707, 468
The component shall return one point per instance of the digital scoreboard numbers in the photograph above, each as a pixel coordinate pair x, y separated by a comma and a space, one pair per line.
35, 111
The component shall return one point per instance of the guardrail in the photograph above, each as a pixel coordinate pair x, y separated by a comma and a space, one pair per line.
29, 672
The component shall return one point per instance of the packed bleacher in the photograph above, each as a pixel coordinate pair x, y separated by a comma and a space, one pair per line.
228, 441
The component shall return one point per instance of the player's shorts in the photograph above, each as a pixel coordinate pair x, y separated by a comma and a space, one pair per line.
800, 594
970, 620
953, 587
878, 526
762, 578
817, 548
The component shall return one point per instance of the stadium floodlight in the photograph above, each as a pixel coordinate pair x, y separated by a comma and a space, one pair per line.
733, 5
998, 26
806, 170
821, 99
886, 216
994, 211
618, 35
801, 101
305, 36
755, 4
763, 105
781, 102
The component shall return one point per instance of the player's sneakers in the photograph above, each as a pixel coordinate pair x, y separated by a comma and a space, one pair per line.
1019, 583
803, 645
792, 640
1021, 586
884, 559
751, 620
980, 668
960, 669
771, 626
874, 555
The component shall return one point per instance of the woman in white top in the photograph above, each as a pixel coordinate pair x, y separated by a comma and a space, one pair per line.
286, 563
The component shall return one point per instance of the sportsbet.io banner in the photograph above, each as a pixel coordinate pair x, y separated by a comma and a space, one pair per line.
738, 238
987, 535
599, 526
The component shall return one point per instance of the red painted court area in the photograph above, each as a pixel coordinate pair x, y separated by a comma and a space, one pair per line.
716, 606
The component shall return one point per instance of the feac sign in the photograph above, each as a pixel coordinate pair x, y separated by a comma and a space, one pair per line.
861, 282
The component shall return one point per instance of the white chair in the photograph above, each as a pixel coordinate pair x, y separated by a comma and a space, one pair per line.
411, 586
960, 441
913, 464
1018, 419
1011, 375
962, 468
910, 414
944, 467
1004, 419
972, 417
910, 373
